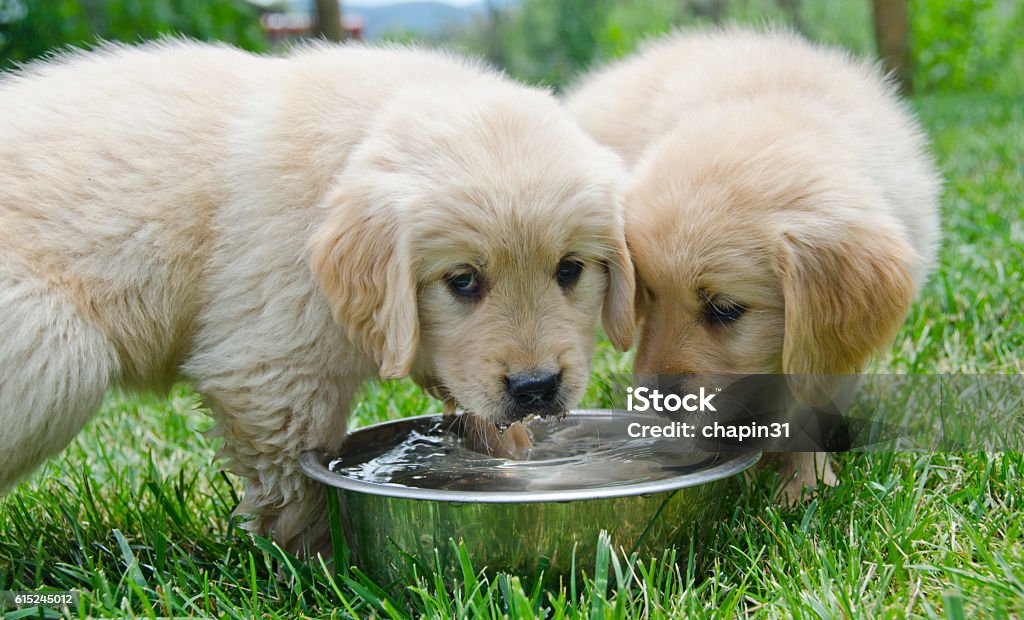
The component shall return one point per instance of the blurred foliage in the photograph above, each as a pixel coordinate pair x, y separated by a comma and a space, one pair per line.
549, 42
957, 44
968, 45
30, 28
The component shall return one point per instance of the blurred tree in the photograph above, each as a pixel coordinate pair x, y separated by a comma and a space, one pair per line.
328, 20
495, 28
580, 22
547, 42
792, 10
892, 37
30, 28
711, 10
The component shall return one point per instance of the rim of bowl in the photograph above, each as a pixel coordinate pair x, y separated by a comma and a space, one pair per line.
311, 464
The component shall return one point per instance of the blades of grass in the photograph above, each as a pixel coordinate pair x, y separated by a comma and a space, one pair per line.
473, 582
370, 593
160, 551
650, 581
536, 594
516, 602
691, 564
620, 575
340, 551
142, 596
412, 566
558, 605
393, 611
225, 604
573, 594
358, 576
163, 500
253, 599
431, 606
76, 528
508, 605
440, 597
650, 523
298, 571
164, 595
954, 605
182, 491
599, 583
101, 590
231, 490
132, 564
619, 610
469, 577
805, 523
729, 608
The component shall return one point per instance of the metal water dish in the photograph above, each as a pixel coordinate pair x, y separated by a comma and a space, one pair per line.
408, 490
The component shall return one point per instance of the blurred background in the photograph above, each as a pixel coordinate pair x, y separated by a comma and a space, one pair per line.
931, 45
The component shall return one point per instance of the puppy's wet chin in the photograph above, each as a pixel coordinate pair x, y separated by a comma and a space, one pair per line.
504, 411
517, 414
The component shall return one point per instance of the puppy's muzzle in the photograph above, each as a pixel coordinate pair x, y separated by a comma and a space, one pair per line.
534, 392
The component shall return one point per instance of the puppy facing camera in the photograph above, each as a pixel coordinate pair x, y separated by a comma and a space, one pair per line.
278, 230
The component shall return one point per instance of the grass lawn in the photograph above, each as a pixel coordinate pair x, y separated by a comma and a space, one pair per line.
135, 513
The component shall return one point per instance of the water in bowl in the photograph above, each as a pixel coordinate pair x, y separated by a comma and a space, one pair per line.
579, 452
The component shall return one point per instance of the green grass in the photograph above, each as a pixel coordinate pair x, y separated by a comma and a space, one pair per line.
136, 515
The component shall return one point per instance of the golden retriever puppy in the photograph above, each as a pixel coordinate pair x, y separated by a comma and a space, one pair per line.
782, 213
277, 230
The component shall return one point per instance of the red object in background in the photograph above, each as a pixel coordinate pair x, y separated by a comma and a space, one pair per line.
283, 26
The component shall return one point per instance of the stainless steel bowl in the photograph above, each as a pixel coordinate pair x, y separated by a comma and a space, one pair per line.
519, 532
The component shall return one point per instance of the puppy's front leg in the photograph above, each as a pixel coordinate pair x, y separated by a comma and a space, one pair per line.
266, 426
798, 471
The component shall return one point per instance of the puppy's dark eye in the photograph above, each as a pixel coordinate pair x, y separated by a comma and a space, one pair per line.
464, 284
719, 311
568, 272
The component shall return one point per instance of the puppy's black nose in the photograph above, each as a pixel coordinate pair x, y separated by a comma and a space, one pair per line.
534, 388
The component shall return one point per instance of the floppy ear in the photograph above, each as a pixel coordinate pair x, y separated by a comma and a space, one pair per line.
362, 263
617, 315
640, 301
845, 298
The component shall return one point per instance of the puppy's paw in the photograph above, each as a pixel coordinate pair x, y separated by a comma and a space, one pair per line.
801, 475
298, 524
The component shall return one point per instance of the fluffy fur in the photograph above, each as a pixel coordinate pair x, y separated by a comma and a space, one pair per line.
776, 180
278, 230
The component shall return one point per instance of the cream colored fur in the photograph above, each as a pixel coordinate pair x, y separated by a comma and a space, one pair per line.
776, 175
278, 230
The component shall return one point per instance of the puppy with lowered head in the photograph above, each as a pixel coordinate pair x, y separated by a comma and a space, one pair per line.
782, 213
277, 230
